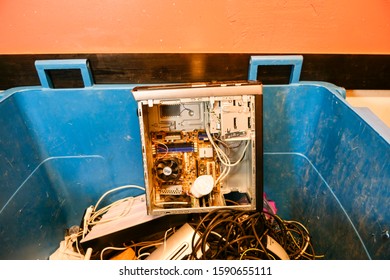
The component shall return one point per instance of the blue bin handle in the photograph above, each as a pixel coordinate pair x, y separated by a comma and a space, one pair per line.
294, 60
42, 66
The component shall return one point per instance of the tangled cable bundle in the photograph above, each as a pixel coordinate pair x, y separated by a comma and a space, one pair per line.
221, 234
235, 234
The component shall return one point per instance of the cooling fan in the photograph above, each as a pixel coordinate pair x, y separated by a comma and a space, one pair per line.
168, 170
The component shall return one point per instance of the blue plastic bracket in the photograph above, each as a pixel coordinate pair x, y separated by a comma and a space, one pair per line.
294, 60
42, 66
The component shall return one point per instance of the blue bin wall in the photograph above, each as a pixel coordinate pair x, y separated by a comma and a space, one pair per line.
326, 167
62, 149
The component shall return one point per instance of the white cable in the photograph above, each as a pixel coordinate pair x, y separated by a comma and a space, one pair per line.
94, 219
142, 255
86, 219
165, 238
117, 189
241, 157
222, 156
92, 213
148, 246
88, 254
111, 248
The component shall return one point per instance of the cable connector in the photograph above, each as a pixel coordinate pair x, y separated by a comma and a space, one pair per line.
87, 216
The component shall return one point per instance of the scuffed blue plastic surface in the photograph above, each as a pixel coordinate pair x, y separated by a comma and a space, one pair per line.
325, 166
61, 149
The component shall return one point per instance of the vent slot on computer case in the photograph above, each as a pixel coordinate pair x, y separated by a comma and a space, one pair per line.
199, 152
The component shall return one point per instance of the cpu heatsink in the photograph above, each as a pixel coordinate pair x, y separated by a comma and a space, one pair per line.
168, 170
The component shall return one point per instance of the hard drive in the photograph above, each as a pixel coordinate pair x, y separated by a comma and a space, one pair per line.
201, 146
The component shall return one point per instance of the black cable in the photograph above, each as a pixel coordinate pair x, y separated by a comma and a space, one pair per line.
237, 234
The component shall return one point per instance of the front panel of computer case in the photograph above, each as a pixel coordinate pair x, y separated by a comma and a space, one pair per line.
199, 146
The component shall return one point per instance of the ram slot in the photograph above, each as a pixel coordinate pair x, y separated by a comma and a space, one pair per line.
175, 148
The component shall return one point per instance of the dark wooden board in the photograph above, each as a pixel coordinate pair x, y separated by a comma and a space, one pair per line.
346, 70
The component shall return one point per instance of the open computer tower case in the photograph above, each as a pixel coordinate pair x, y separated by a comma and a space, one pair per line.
202, 146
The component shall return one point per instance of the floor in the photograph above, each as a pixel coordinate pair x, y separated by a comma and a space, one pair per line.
378, 101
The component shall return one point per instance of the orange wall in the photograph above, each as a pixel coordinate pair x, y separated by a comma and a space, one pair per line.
251, 26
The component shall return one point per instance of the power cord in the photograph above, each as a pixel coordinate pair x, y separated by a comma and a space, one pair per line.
93, 214
239, 234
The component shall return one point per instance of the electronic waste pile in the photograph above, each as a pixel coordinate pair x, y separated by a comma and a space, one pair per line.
218, 234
